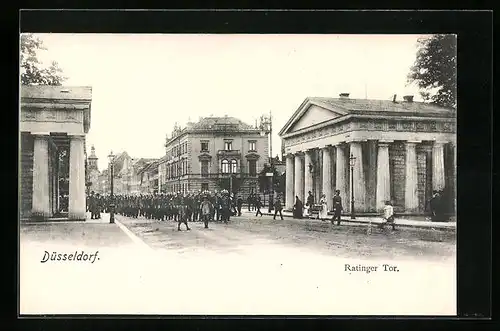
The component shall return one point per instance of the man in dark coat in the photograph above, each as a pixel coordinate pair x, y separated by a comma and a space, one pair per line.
277, 208
337, 207
239, 204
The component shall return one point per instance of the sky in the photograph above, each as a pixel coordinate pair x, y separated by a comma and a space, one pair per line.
142, 84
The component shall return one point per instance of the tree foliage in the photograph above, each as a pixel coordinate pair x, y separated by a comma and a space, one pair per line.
265, 182
435, 69
32, 70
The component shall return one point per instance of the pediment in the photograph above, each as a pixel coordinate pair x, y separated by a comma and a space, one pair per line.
314, 114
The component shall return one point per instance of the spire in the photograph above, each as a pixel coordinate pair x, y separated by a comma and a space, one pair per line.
92, 153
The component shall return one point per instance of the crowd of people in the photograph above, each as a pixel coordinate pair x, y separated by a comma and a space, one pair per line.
181, 207
220, 206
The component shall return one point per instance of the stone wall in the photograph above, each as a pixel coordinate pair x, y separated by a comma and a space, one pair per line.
424, 164
397, 156
26, 175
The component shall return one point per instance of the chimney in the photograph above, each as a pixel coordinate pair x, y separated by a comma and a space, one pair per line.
408, 98
344, 95
394, 98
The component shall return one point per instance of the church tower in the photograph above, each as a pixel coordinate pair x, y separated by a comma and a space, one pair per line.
92, 160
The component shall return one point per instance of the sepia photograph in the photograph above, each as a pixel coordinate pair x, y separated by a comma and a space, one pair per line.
237, 174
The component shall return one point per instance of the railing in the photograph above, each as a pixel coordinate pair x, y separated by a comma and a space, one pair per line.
232, 152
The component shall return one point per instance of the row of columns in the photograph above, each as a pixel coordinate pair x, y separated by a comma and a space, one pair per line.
43, 171
299, 179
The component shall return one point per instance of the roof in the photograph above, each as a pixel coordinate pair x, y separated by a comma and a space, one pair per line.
118, 162
231, 123
367, 107
386, 106
83, 93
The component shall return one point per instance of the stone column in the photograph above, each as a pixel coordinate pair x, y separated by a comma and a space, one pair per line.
411, 186
290, 198
327, 177
454, 148
41, 202
299, 178
308, 175
359, 178
76, 207
438, 179
383, 174
340, 175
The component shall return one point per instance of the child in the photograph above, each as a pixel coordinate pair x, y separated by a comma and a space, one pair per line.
388, 215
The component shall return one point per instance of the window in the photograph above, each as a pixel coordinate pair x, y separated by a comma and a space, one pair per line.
252, 167
225, 166
234, 166
204, 186
204, 146
186, 167
251, 145
228, 145
204, 168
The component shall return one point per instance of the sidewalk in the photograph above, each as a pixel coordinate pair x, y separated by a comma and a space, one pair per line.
400, 222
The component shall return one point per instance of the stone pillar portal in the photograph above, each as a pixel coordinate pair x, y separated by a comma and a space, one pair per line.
76, 208
359, 178
383, 175
299, 178
327, 177
340, 175
290, 198
438, 179
41, 192
411, 186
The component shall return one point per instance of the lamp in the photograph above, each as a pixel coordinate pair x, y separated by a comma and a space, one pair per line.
352, 163
111, 159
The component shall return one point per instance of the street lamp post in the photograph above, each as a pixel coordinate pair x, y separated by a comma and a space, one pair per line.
352, 162
111, 158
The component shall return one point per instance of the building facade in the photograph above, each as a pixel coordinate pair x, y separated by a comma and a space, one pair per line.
148, 175
213, 154
53, 123
401, 151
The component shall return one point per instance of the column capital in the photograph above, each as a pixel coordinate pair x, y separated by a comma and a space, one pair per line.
327, 147
355, 140
289, 155
339, 144
385, 141
76, 136
438, 143
412, 142
40, 134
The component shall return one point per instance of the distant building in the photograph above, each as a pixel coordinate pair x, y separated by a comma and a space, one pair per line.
126, 173
213, 154
148, 176
93, 171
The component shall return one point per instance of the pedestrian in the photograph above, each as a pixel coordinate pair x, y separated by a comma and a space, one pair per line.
323, 213
309, 204
258, 205
298, 208
182, 215
277, 208
337, 207
388, 215
239, 204
434, 203
206, 210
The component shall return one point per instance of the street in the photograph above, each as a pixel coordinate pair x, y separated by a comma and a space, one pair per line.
249, 266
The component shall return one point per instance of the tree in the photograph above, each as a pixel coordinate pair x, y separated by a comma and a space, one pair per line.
32, 70
264, 181
435, 69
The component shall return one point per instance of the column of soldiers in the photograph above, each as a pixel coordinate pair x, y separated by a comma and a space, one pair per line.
170, 206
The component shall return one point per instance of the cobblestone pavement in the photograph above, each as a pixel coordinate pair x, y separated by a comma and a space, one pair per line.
249, 266
347, 240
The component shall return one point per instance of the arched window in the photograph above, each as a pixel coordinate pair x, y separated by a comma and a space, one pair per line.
234, 166
225, 166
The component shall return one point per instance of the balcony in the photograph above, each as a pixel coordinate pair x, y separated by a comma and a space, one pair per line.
234, 153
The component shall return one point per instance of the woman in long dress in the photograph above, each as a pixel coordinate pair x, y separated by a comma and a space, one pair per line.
298, 208
323, 213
